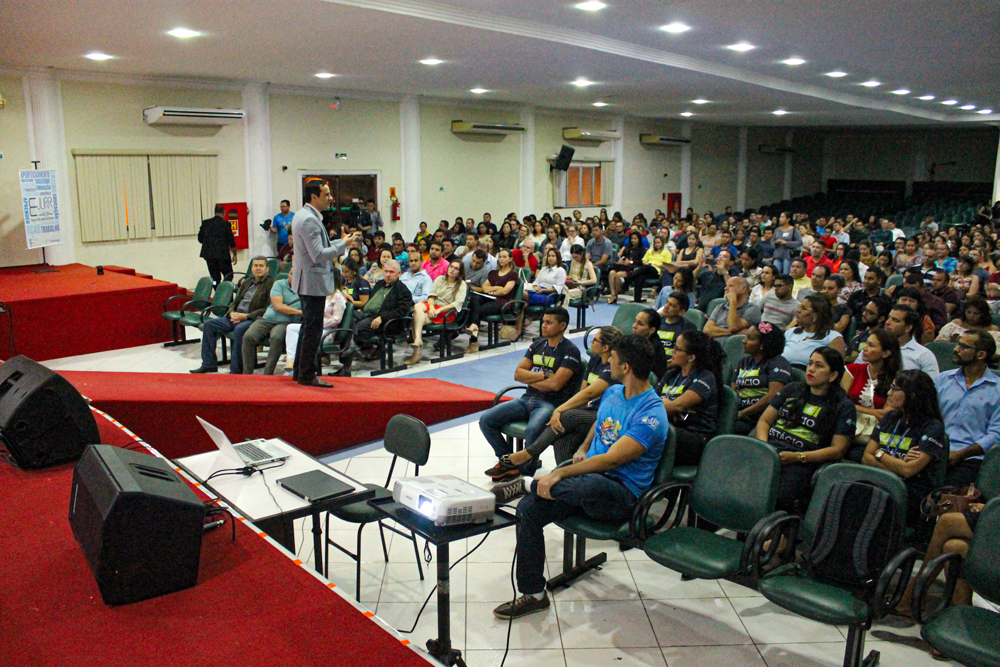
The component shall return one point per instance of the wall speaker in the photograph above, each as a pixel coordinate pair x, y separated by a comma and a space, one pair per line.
564, 158
44, 420
138, 523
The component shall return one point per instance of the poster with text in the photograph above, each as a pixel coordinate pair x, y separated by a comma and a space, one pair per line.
41, 208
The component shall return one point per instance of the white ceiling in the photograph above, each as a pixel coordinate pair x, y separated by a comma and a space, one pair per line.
527, 51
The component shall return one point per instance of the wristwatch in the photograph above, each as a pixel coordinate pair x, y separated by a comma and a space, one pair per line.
802, 457
879, 454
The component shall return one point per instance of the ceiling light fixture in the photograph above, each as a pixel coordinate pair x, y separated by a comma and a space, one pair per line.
950, 102
901, 91
600, 104
582, 83
794, 61
741, 46
479, 91
97, 55
985, 111
926, 98
686, 113
184, 33
967, 107
324, 75
699, 101
675, 28
836, 74
872, 84
779, 112
591, 6
431, 61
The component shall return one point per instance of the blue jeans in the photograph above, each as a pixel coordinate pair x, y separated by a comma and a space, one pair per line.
535, 410
210, 335
595, 496
782, 265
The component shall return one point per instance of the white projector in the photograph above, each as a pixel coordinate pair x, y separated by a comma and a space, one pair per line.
445, 499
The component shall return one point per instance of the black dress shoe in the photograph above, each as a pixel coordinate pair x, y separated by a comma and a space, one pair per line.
316, 382
203, 369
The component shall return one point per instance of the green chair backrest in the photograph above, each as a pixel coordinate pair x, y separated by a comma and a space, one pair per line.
697, 317
524, 275
996, 319
273, 266
408, 437
988, 480
519, 290
732, 347
280, 277
851, 472
729, 407
982, 566
713, 304
346, 322
944, 352
666, 465
798, 375
625, 316
202, 290
737, 483
894, 279
223, 294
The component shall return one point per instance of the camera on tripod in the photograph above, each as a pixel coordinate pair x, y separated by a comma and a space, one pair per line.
266, 225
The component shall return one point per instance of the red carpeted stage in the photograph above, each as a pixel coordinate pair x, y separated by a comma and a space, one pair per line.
75, 311
252, 604
162, 407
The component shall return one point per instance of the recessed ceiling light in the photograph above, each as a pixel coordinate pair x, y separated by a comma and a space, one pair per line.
741, 46
779, 112
582, 83
324, 75
97, 55
967, 107
600, 104
950, 102
431, 61
686, 113
901, 91
675, 28
794, 61
926, 98
985, 111
699, 101
591, 6
479, 91
184, 33
871, 83
836, 74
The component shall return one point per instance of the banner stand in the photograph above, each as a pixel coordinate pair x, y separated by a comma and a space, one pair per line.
45, 265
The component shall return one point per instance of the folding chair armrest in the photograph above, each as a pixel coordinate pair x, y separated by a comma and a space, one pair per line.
928, 574
499, 395
214, 310
512, 310
176, 297
400, 322
196, 305
675, 493
764, 541
888, 594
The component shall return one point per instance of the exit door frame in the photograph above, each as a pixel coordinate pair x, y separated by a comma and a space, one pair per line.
377, 173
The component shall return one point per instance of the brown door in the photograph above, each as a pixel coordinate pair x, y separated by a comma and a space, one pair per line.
346, 188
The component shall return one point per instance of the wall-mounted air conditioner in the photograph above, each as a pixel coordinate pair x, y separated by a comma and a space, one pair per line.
593, 136
657, 140
181, 116
465, 127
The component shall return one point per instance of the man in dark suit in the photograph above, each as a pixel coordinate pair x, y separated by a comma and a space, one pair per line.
217, 243
312, 278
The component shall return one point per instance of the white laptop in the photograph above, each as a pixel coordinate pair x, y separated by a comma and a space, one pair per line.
252, 453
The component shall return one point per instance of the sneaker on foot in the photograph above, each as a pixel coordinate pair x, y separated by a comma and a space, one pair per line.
473, 347
503, 471
509, 490
522, 606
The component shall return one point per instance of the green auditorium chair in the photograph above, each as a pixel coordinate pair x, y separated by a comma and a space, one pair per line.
447, 331
335, 341
514, 431
221, 301
280, 277
391, 333
199, 300
732, 347
712, 305
697, 317
274, 267
578, 529
508, 316
623, 320
736, 489
988, 479
944, 352
894, 280
798, 375
654, 282
405, 437
792, 587
538, 311
586, 300
729, 407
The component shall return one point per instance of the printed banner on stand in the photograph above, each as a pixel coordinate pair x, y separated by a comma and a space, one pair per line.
41, 208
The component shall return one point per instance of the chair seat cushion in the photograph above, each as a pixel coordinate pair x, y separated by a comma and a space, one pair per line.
684, 474
514, 429
362, 512
695, 552
968, 634
190, 319
594, 530
793, 589
172, 315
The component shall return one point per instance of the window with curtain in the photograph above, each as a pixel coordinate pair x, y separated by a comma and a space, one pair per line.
584, 184
136, 195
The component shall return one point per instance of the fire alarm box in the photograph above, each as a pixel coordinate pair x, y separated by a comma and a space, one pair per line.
236, 215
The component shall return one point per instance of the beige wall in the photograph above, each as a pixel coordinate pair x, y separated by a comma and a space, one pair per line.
14, 146
106, 116
650, 171
714, 153
549, 141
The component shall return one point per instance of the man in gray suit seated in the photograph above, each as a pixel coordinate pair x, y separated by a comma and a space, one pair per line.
312, 278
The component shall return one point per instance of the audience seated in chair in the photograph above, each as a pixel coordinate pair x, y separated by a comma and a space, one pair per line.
736, 315
285, 309
672, 321
647, 323
690, 391
904, 323
446, 298
333, 315
492, 294
415, 278
390, 300
760, 374
250, 302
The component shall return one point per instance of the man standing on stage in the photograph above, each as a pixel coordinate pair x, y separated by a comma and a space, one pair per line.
217, 242
312, 276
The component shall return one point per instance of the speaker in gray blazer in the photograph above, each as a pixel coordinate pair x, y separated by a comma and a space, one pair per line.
314, 254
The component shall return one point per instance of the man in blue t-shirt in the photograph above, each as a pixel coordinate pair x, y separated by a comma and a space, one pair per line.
612, 468
281, 224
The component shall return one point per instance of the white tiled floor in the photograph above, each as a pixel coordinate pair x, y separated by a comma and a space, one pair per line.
632, 612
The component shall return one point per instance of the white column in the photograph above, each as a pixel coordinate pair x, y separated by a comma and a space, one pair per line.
257, 159
411, 206
685, 168
786, 191
47, 144
829, 162
741, 169
527, 162
618, 150
996, 178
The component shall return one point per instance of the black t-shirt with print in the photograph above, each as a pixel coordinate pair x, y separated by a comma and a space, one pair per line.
669, 333
813, 427
598, 370
548, 359
358, 288
897, 439
752, 378
702, 418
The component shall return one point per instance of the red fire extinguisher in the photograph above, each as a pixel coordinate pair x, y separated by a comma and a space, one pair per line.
395, 210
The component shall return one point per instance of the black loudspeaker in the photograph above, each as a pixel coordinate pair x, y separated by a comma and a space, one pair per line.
564, 158
138, 523
44, 420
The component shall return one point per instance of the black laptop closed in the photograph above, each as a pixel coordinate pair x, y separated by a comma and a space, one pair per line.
315, 485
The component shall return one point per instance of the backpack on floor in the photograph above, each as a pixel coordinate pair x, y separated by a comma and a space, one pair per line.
856, 535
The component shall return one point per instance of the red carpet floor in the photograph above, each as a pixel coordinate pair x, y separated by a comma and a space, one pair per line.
252, 605
162, 407
75, 311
